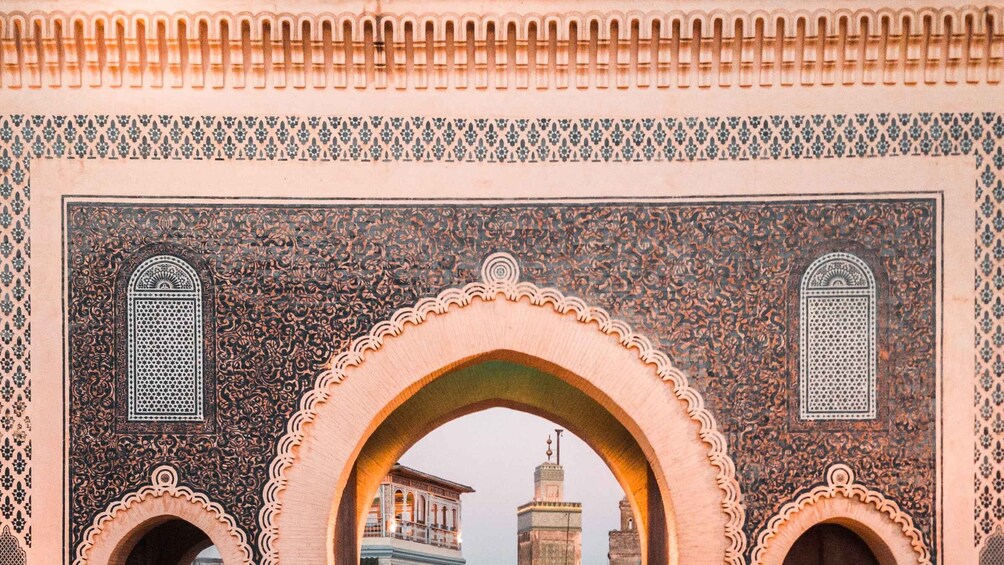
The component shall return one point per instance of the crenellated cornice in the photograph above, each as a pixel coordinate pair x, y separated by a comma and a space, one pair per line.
560, 50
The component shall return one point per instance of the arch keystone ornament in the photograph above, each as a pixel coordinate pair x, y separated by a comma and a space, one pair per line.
500, 268
162, 498
887, 529
502, 294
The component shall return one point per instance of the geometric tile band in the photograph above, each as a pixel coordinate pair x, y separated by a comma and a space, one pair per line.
837, 340
165, 342
499, 140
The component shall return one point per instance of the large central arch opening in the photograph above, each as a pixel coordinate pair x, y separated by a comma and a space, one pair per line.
511, 380
575, 367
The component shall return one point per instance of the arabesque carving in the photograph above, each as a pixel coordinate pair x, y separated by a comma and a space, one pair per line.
840, 483
500, 274
164, 482
560, 50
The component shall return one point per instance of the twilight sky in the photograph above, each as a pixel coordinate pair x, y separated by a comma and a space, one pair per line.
495, 451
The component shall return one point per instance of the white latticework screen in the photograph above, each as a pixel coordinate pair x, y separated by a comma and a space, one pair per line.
837, 343
165, 342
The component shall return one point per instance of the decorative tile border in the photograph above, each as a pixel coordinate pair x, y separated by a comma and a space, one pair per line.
23, 138
493, 140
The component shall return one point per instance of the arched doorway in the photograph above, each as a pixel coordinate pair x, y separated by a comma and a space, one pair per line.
162, 523
668, 453
830, 544
840, 518
163, 541
499, 380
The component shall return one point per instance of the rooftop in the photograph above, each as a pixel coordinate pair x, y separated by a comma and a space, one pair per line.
399, 470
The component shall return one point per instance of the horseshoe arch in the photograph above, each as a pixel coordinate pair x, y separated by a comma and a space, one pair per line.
542, 329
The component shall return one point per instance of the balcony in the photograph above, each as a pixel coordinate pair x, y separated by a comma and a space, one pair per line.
413, 531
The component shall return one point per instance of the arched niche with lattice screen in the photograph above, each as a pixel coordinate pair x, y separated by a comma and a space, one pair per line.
11, 552
838, 349
165, 342
993, 551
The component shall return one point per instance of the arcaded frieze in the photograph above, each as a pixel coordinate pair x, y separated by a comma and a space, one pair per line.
533, 50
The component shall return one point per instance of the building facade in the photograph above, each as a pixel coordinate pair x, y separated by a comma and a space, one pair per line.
414, 519
625, 544
752, 253
549, 528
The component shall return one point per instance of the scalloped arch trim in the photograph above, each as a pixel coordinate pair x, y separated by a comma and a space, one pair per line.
871, 509
500, 274
164, 487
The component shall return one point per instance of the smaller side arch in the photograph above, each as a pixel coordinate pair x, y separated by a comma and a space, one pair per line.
11, 552
127, 519
993, 548
887, 529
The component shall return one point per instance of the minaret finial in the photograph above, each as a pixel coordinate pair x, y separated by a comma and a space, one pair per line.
549, 452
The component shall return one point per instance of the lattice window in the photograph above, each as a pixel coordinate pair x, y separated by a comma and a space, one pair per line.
838, 349
165, 342
993, 551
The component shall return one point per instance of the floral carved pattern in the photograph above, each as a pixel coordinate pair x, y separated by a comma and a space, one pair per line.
690, 277
164, 482
840, 482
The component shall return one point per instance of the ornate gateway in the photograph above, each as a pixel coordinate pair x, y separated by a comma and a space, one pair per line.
760, 247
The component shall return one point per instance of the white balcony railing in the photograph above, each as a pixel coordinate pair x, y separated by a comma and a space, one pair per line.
413, 531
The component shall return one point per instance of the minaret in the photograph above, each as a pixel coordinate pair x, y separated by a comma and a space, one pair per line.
625, 545
549, 529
